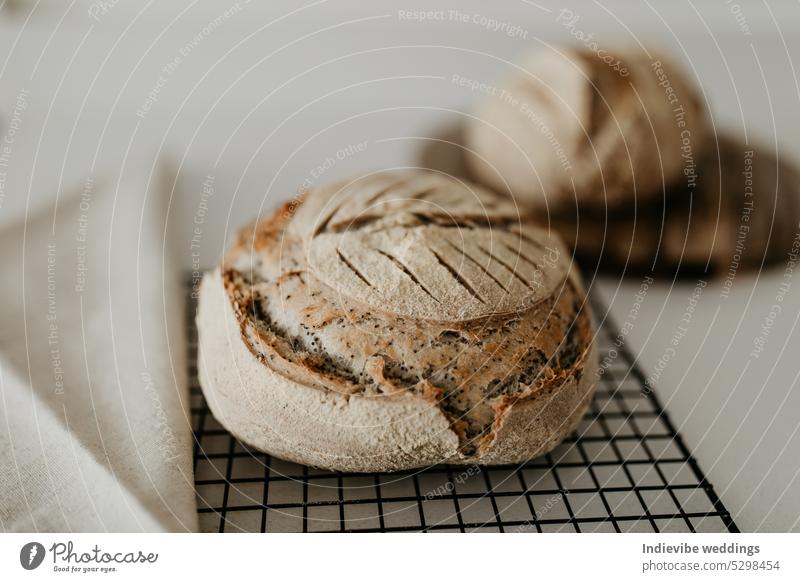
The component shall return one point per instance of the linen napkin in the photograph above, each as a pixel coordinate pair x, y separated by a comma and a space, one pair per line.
94, 429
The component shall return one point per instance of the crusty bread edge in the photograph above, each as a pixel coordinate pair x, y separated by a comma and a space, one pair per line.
536, 425
303, 424
324, 428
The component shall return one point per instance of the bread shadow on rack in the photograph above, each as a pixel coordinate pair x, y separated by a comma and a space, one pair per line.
740, 215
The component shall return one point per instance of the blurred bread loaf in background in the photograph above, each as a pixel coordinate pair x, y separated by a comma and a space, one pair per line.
567, 127
741, 215
621, 160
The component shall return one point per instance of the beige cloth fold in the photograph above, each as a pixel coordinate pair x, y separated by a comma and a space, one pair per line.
94, 429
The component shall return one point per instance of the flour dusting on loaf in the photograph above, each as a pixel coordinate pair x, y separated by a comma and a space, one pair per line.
397, 320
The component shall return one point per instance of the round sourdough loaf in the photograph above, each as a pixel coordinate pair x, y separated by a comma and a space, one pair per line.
396, 320
565, 128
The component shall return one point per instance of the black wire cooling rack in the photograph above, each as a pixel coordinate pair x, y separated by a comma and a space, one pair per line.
624, 469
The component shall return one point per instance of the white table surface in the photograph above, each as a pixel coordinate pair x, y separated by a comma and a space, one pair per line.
258, 106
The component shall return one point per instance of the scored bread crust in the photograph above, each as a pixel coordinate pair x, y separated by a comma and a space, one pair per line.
293, 364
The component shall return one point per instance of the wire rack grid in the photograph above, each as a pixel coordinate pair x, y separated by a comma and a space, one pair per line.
624, 469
